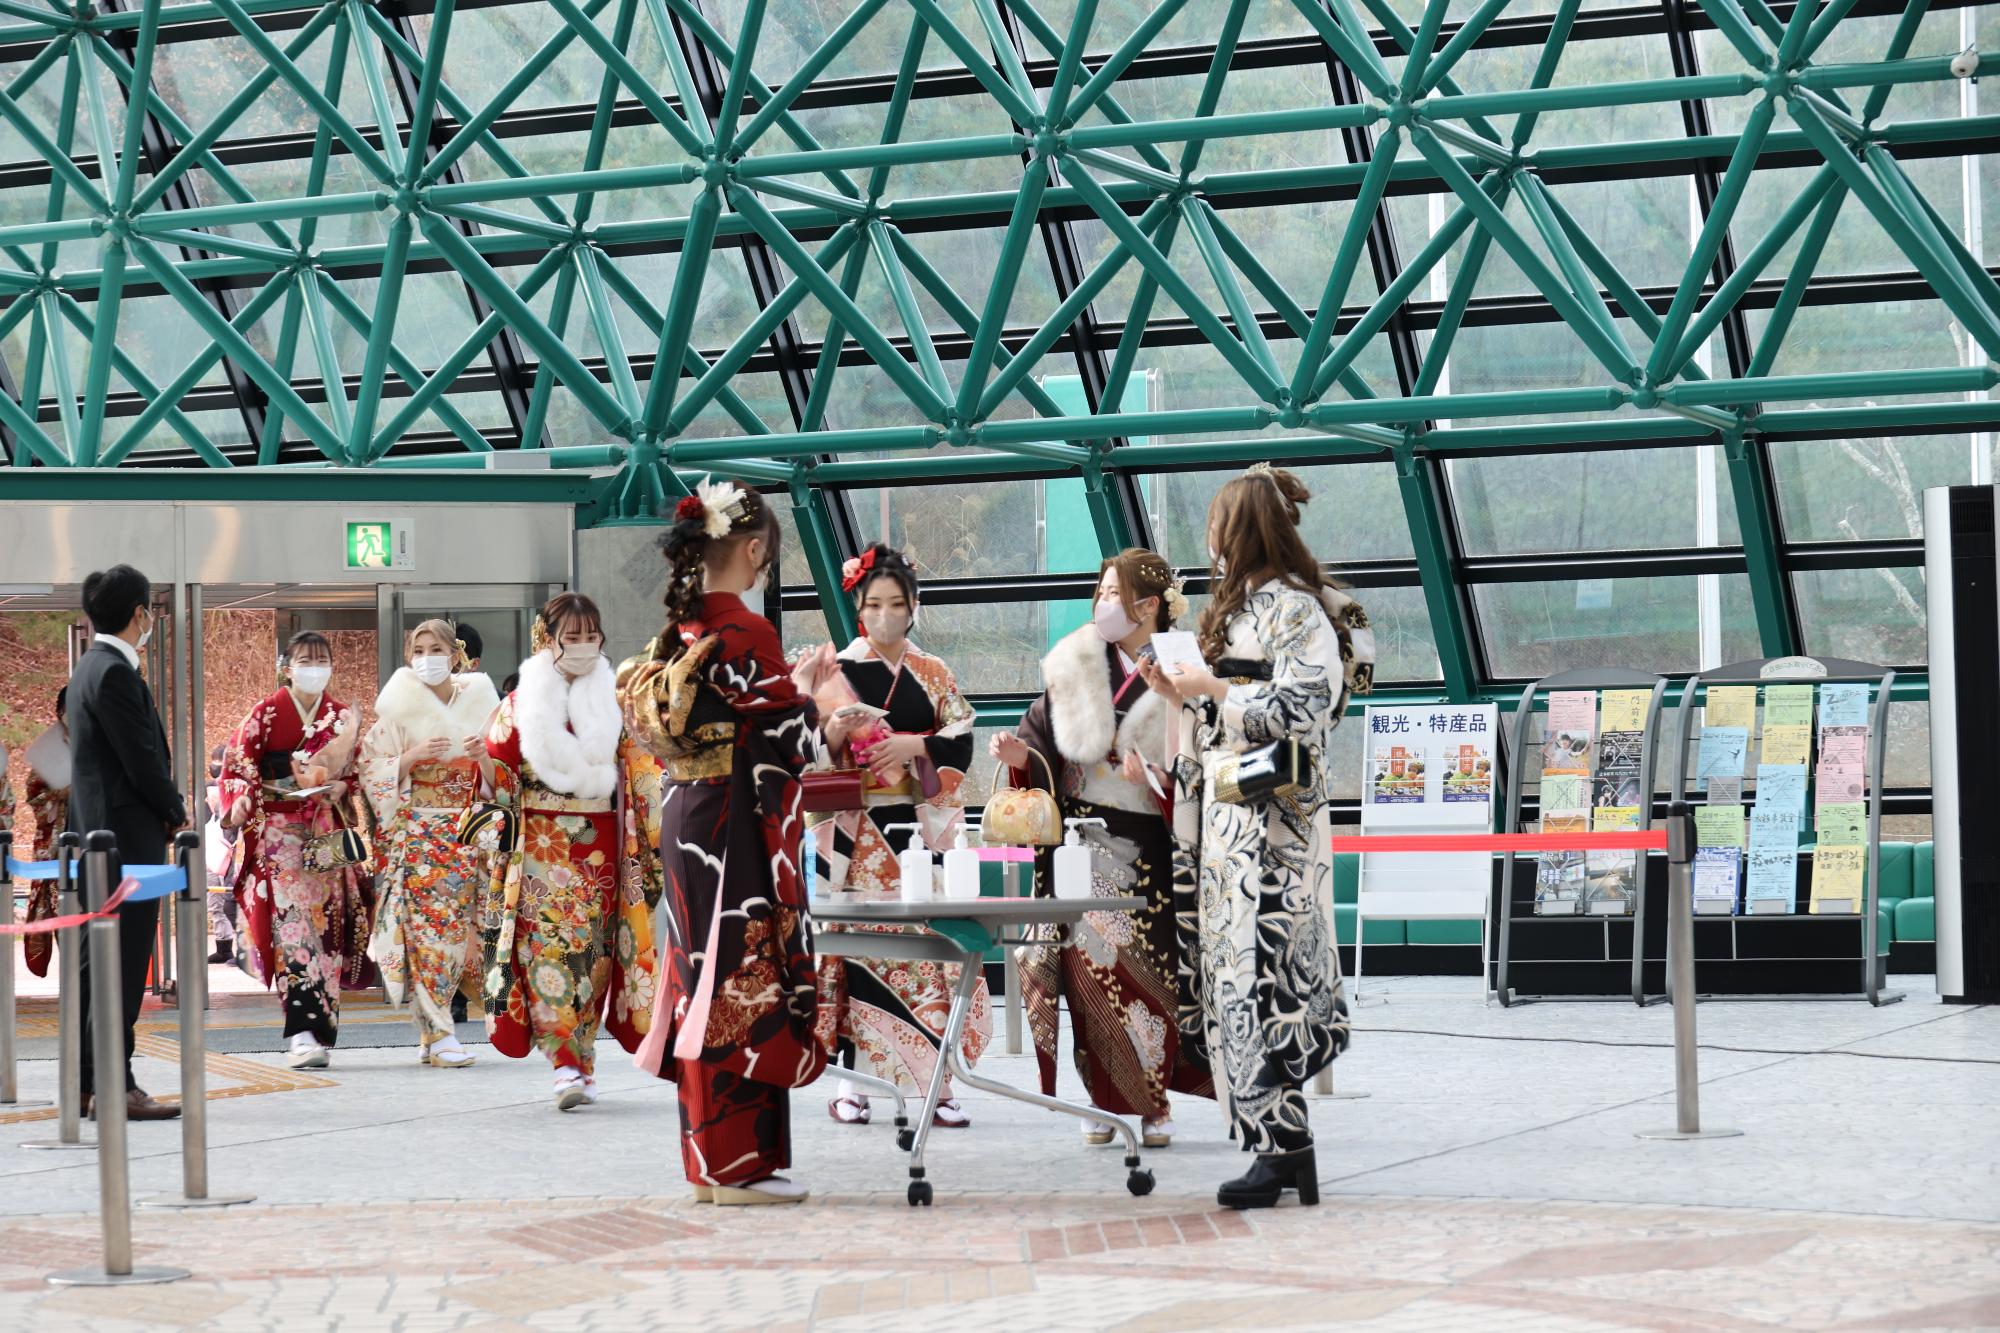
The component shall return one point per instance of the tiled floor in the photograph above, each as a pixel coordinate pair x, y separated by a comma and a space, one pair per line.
1490, 1180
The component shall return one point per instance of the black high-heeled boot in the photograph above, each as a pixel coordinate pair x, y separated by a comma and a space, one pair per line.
1268, 1179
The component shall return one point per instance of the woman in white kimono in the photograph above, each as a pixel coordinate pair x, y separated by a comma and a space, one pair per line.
1253, 870
423, 766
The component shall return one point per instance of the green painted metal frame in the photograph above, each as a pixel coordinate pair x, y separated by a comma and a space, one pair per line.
828, 216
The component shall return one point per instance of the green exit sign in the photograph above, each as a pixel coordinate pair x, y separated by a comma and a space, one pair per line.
378, 544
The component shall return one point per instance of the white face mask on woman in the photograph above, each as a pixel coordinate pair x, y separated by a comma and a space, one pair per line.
886, 626
433, 669
579, 659
1113, 621
311, 677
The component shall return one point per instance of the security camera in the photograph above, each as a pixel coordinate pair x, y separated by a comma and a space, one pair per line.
1966, 63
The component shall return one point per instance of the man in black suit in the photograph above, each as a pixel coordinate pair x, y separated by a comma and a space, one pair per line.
122, 780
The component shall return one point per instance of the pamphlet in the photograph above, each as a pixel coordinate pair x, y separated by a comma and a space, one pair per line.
1842, 825
1618, 767
1725, 791
1717, 872
1176, 648
1843, 706
1786, 744
1839, 784
1782, 786
1559, 884
1721, 752
1771, 876
1565, 791
1836, 880
1623, 710
1718, 826
1843, 745
1787, 706
1612, 877
1468, 774
1730, 706
1570, 728
1398, 775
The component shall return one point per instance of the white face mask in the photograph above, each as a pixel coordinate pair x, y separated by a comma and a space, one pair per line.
577, 659
147, 637
1113, 622
753, 600
433, 670
885, 626
311, 677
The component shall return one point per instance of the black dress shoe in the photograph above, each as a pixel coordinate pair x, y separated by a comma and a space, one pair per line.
1268, 1179
225, 952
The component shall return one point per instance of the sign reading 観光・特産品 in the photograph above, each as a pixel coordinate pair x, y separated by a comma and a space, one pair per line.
378, 544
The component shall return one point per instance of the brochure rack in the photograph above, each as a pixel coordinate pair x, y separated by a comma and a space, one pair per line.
1797, 953
1582, 956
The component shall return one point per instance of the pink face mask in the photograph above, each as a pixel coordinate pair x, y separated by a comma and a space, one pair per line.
885, 626
1113, 623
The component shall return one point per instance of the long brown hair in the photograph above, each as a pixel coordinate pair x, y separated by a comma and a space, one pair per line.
1254, 522
689, 548
1141, 574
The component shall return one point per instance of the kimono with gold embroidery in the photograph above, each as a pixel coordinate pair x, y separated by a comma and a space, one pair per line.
569, 945
735, 1028
48, 764
894, 1011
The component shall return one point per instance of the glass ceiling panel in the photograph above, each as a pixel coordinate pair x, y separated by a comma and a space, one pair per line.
197, 79
489, 46
1868, 489
981, 530
1666, 623
792, 32
1869, 615
1193, 26
1488, 69
1609, 500
1356, 512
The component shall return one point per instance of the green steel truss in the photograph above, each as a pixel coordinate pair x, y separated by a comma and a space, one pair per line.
139, 200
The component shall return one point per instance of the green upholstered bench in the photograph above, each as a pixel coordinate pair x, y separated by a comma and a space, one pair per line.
1916, 913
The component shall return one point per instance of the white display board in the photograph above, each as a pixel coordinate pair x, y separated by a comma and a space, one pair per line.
1427, 769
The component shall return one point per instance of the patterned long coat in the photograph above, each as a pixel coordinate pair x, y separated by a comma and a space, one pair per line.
1253, 883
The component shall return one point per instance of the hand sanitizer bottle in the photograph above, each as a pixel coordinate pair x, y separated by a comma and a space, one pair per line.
1073, 874
916, 864
961, 869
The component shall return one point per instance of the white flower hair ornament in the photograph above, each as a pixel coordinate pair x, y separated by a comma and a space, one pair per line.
1177, 602
722, 505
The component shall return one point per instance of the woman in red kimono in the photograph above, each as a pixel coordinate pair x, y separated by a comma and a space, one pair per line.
735, 725
572, 946
48, 762
307, 926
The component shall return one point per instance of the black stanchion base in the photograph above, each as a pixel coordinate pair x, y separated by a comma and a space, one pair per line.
141, 1275
182, 1201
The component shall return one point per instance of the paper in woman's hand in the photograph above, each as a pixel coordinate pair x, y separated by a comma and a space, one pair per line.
1174, 649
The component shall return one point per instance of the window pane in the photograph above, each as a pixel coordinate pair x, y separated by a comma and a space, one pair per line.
1650, 624
1608, 500
1865, 489
1355, 514
983, 529
1869, 615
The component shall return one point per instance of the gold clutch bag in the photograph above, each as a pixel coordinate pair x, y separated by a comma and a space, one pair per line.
1023, 816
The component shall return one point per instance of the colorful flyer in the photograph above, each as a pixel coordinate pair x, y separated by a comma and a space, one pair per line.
1721, 752
1843, 706
1843, 745
1839, 784
1565, 791
1618, 762
1718, 826
1842, 825
1468, 771
1836, 880
1770, 881
1571, 727
1730, 706
1782, 785
1786, 744
1399, 775
1612, 877
1559, 884
1787, 706
1623, 710
1717, 875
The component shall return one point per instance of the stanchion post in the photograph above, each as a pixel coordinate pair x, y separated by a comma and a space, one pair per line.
108, 1059
1010, 965
10, 1087
1680, 964
69, 1008
194, 1069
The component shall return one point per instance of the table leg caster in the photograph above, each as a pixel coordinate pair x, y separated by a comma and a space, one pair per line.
920, 1193
1139, 1182
906, 1139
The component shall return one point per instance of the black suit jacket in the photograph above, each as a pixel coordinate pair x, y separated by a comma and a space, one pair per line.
122, 776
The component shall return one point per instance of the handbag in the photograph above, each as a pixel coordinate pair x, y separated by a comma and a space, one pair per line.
479, 820
830, 790
336, 850
1023, 816
1280, 769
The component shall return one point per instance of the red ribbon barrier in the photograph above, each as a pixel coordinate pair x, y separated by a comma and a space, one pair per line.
49, 925
1630, 840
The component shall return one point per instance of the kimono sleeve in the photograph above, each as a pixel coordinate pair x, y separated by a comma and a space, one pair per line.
503, 746
379, 770
950, 746
241, 781
1306, 682
749, 671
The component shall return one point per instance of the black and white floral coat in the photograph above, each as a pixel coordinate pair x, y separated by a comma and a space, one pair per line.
1253, 883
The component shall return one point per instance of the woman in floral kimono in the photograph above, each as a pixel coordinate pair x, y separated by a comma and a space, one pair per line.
47, 760
1253, 876
570, 945
714, 698
1105, 737
890, 1013
423, 766
305, 926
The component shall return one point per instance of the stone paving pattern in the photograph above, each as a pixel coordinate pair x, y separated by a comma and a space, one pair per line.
1489, 1180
